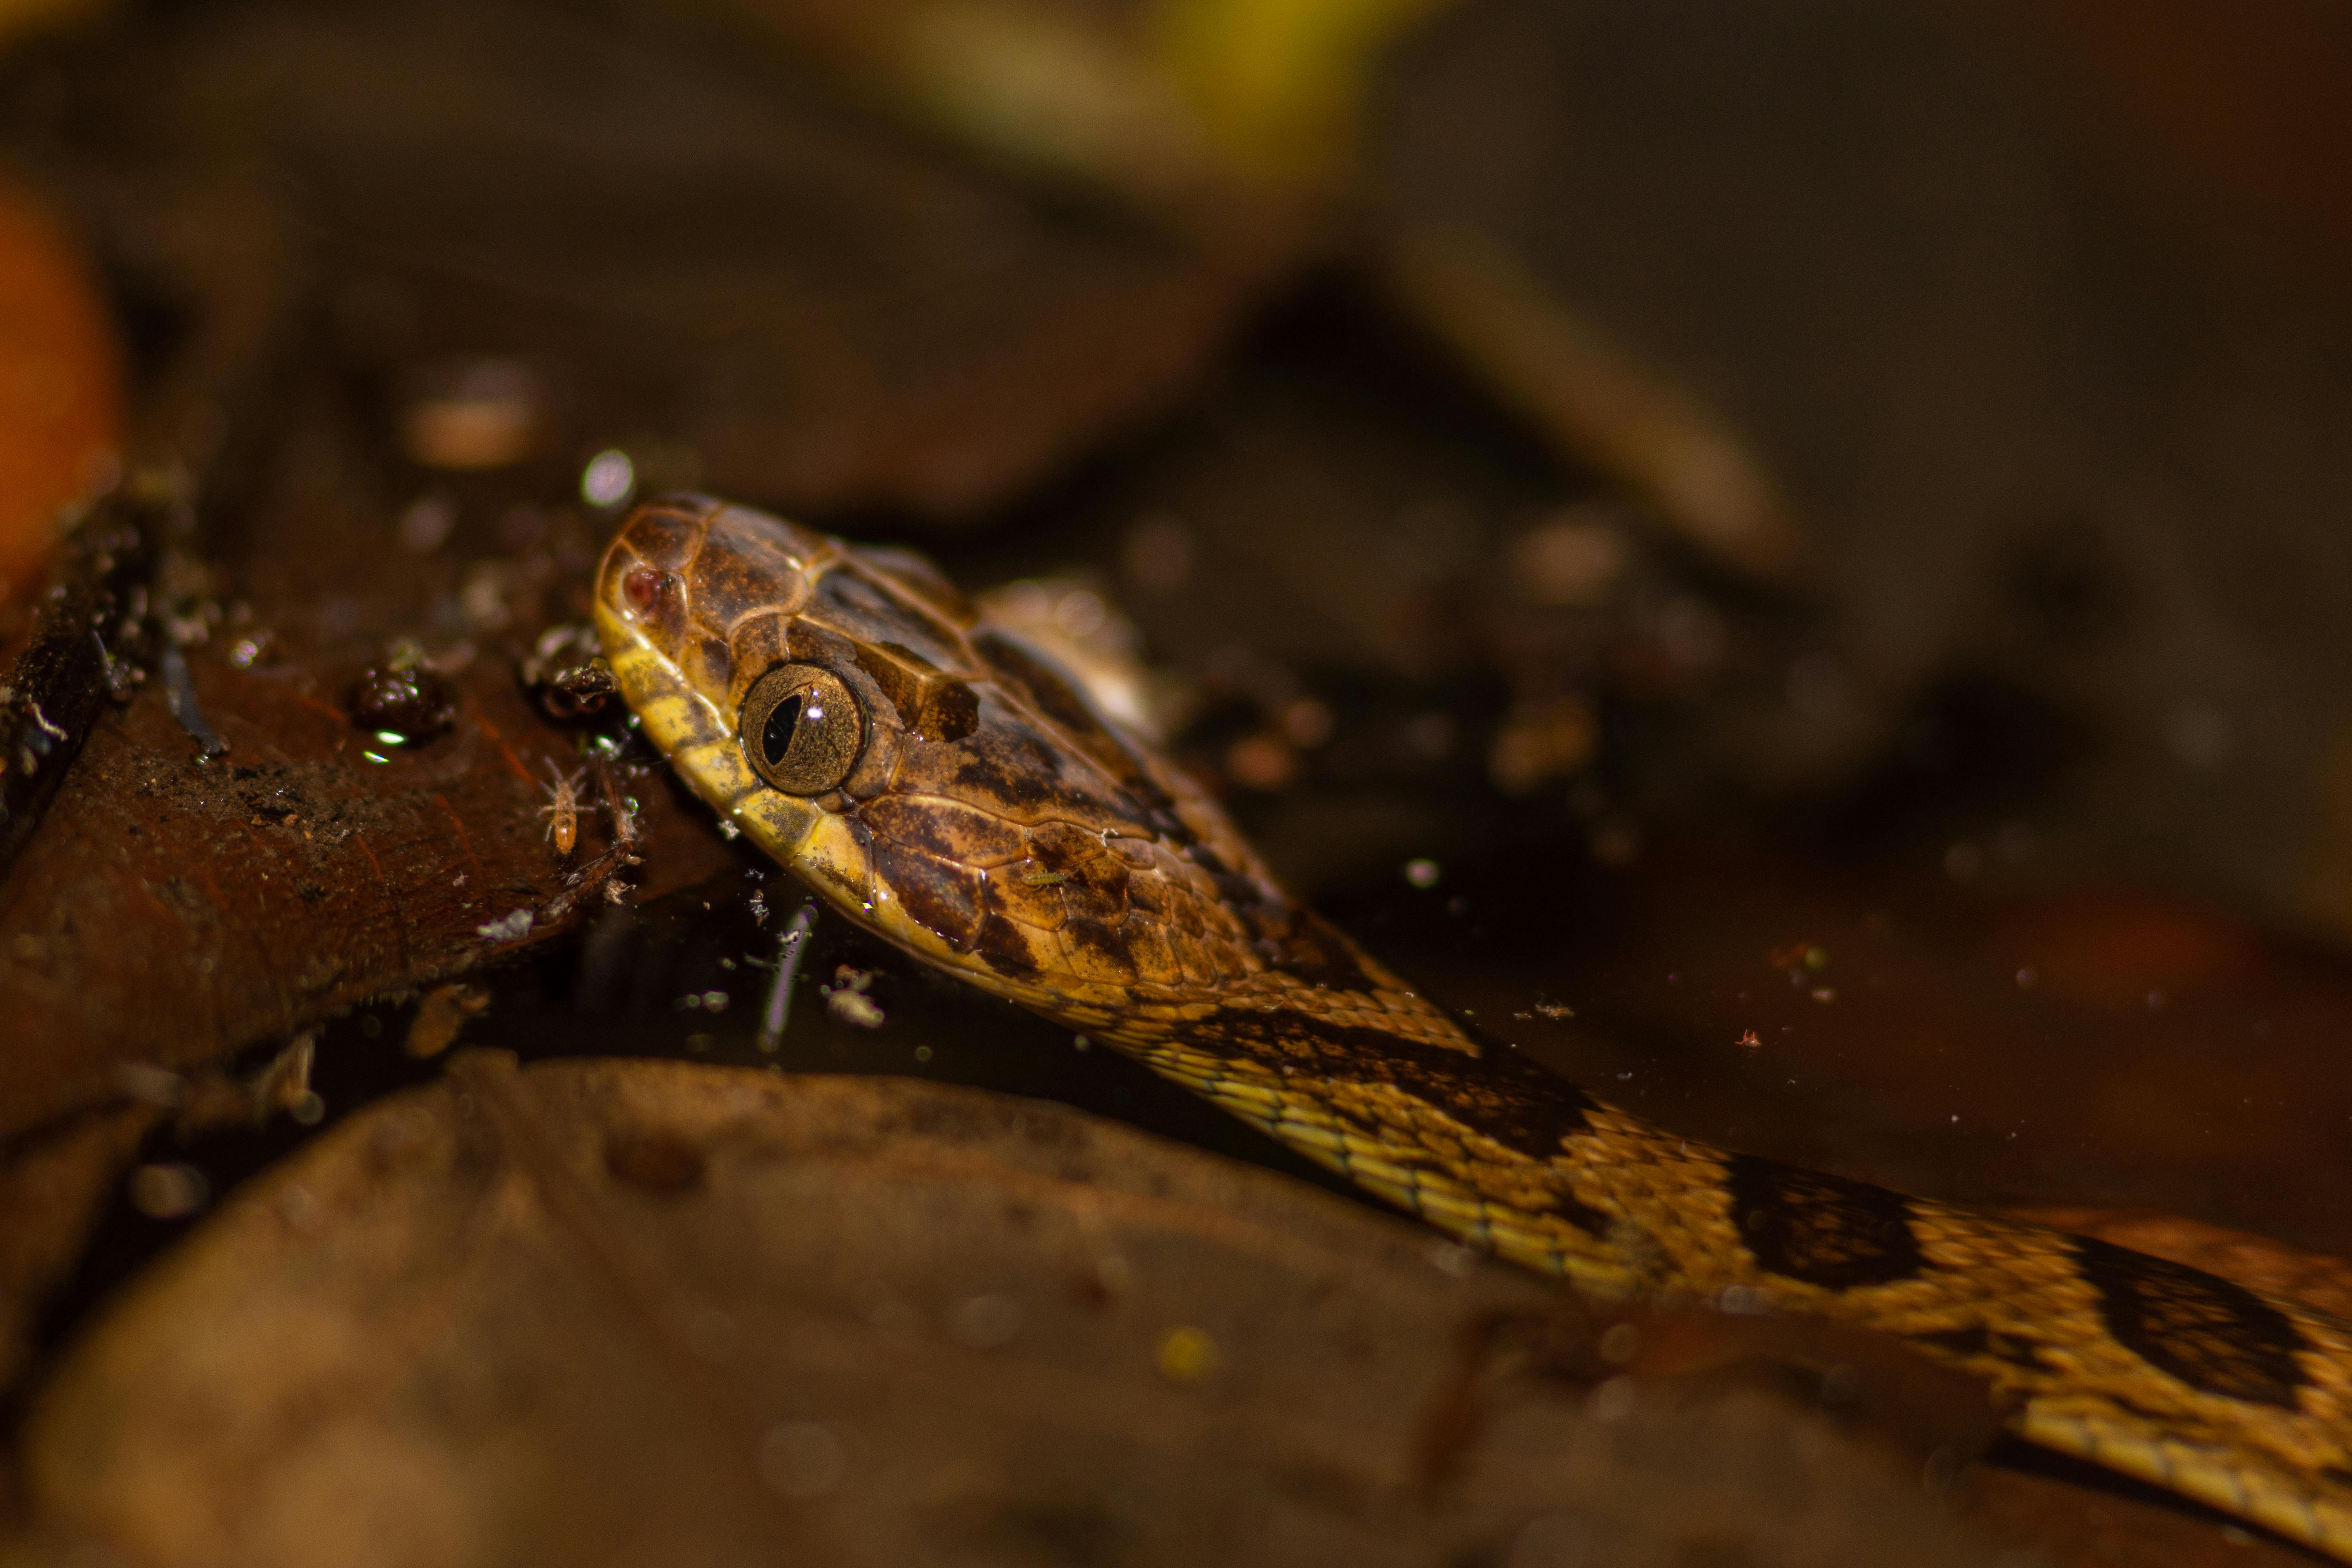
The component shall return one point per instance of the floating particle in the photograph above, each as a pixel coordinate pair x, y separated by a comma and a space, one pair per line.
1186, 1355
509, 928
1159, 554
2200, 735
406, 702
1429, 736
1573, 560
854, 1007
1261, 761
985, 1323
426, 524
1817, 687
1541, 743
609, 480
1616, 843
169, 1190
473, 414
1306, 722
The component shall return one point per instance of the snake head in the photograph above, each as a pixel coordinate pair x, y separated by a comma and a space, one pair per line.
932, 775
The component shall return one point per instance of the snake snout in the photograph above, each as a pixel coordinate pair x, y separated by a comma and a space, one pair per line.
641, 578
690, 565
664, 534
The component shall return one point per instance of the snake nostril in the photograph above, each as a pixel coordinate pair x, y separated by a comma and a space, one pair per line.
642, 587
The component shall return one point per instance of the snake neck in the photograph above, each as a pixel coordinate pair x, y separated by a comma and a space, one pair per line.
1375, 1082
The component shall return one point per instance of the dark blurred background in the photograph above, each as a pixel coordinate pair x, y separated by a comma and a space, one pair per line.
1973, 376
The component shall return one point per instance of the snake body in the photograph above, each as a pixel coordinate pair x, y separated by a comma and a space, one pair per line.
943, 784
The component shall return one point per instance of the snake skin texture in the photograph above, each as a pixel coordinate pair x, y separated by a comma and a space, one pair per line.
996, 825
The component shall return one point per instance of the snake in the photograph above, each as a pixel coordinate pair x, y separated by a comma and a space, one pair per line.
948, 784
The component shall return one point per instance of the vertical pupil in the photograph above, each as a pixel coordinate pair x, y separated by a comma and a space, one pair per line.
777, 738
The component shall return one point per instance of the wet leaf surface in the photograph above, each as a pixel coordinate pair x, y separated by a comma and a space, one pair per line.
168, 912
661, 1312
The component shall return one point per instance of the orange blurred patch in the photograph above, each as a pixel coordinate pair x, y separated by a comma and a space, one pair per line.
2112, 948
2247, 102
60, 385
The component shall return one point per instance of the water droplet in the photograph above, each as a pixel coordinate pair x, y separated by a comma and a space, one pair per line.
1186, 1355
168, 1191
609, 480
985, 1323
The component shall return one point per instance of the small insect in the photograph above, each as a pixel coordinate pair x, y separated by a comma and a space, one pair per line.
847, 999
600, 873
563, 809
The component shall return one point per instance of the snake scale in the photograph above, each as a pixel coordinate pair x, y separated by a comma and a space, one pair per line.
944, 784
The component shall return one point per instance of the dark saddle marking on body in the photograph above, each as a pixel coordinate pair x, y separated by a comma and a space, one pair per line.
1819, 1229
1499, 1095
2215, 1336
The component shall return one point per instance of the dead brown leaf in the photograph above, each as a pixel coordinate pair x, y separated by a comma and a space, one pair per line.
171, 910
635, 1311
671, 237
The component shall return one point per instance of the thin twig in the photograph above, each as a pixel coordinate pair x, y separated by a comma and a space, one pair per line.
789, 948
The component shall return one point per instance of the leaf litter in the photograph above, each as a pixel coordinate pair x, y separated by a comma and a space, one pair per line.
627, 1311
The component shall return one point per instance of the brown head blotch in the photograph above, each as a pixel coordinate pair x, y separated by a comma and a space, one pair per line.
749, 564
940, 895
932, 703
664, 535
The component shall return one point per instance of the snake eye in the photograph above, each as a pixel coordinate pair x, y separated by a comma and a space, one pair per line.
800, 730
